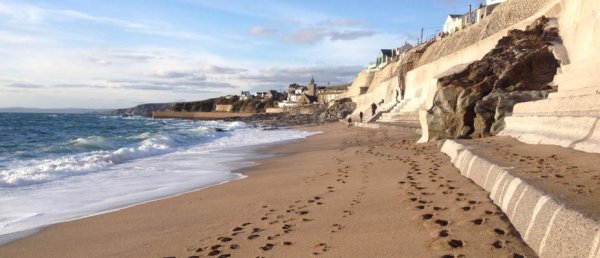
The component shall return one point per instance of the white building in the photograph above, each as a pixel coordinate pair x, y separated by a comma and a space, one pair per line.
246, 95
453, 23
492, 2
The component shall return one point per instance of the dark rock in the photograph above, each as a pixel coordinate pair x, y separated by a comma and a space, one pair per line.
339, 110
473, 103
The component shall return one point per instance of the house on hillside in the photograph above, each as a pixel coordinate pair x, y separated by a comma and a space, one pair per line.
398, 52
261, 95
493, 2
453, 23
457, 22
328, 94
294, 92
246, 95
302, 95
384, 56
275, 95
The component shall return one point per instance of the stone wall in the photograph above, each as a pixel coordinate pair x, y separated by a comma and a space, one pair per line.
223, 108
506, 15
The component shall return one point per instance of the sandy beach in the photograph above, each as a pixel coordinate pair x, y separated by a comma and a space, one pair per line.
347, 192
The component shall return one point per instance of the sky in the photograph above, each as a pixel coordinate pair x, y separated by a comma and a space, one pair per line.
121, 53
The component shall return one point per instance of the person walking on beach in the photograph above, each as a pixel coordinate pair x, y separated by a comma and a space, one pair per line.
349, 121
373, 108
361, 116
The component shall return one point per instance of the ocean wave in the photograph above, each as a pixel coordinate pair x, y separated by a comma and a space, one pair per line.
52, 169
91, 143
91, 154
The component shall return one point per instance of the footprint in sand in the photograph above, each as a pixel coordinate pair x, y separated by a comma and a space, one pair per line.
336, 228
441, 222
273, 237
224, 239
427, 216
454, 243
498, 244
321, 248
253, 236
477, 221
443, 233
267, 247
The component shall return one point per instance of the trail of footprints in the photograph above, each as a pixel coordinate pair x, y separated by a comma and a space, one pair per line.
434, 195
273, 227
283, 222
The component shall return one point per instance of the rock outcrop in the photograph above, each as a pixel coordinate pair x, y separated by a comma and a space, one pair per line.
340, 109
473, 102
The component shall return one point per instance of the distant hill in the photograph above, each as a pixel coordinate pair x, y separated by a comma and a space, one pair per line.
244, 106
52, 110
143, 110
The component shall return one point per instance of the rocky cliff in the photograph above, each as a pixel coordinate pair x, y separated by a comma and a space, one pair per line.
474, 101
143, 110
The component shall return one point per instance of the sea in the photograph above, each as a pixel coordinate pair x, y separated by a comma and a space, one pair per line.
60, 167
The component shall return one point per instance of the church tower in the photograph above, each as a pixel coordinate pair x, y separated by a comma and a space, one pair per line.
312, 87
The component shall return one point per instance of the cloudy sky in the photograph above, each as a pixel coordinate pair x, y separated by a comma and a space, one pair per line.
120, 53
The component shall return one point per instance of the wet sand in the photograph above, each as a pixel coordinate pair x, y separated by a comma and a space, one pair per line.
348, 192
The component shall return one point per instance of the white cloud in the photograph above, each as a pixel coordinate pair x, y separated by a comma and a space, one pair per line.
16, 38
215, 69
23, 85
160, 73
262, 31
314, 35
341, 22
34, 15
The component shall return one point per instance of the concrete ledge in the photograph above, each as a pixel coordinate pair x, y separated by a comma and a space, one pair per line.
547, 225
388, 126
577, 132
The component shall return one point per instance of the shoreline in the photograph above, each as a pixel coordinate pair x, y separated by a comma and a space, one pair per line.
336, 220
251, 155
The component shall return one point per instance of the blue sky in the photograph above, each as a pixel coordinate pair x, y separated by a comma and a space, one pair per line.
112, 54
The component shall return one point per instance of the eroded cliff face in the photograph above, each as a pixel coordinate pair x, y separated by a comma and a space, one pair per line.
474, 101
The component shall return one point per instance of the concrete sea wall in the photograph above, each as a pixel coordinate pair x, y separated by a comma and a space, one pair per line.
547, 225
569, 117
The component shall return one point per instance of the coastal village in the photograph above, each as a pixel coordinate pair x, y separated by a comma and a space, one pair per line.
478, 139
314, 97
513, 72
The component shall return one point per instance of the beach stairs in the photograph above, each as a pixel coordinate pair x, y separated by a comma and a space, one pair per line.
368, 118
568, 118
396, 116
381, 110
407, 111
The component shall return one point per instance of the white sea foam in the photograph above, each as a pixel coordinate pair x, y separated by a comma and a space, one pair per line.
154, 169
51, 169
